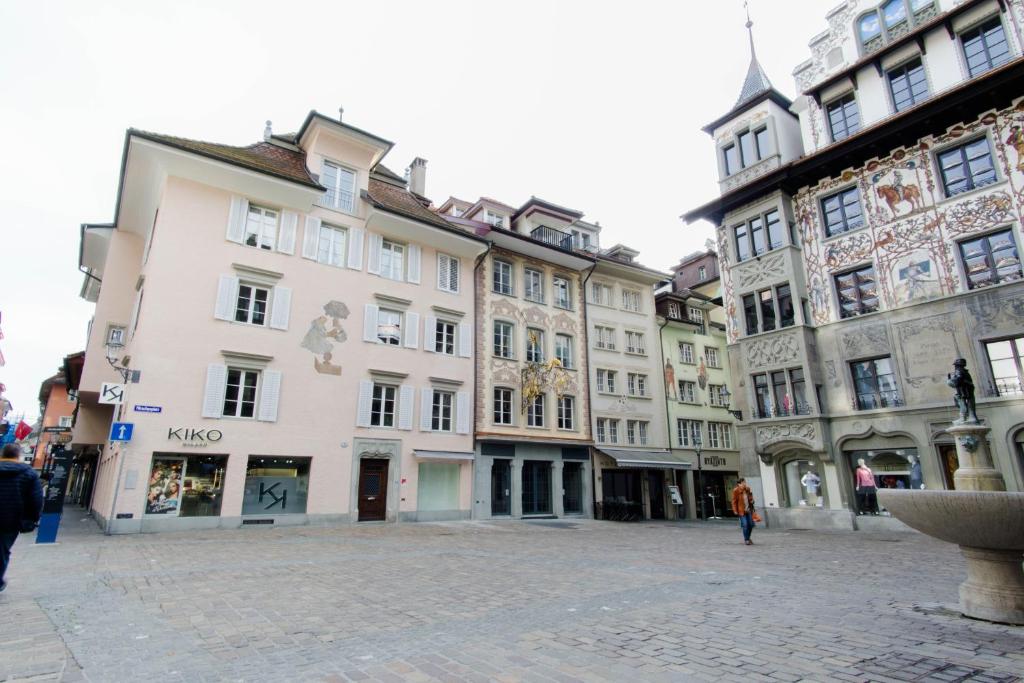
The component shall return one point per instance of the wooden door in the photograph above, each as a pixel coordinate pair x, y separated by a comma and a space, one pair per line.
373, 489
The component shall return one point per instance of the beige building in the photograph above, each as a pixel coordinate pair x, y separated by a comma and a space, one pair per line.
295, 328
869, 233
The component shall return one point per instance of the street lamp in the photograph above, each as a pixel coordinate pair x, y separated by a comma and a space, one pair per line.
114, 349
697, 442
726, 397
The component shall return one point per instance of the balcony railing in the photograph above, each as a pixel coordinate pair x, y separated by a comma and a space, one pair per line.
883, 399
801, 408
556, 238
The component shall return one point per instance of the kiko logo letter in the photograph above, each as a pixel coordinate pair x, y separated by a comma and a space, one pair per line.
195, 438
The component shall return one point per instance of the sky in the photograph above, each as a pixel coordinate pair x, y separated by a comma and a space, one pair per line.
594, 105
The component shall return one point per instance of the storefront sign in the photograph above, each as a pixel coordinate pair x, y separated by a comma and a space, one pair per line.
194, 438
111, 394
269, 494
722, 462
56, 430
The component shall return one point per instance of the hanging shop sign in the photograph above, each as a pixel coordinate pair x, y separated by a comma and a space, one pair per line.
194, 438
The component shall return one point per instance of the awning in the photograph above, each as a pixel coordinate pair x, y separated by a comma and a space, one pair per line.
664, 460
444, 455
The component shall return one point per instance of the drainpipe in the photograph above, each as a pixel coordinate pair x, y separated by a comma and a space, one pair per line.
476, 295
661, 355
586, 349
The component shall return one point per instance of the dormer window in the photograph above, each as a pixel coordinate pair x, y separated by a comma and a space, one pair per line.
843, 117
892, 20
495, 219
341, 187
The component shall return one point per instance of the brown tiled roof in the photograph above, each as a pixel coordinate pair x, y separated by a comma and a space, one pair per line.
261, 156
386, 172
398, 200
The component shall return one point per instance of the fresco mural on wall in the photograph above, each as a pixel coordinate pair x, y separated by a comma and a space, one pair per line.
320, 339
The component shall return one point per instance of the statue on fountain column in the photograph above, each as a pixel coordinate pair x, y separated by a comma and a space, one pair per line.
960, 380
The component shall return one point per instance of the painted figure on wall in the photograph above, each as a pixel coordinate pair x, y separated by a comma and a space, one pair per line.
670, 380
320, 340
702, 374
914, 277
1016, 140
896, 193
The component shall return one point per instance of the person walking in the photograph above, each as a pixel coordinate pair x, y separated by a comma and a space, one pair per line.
21, 502
743, 507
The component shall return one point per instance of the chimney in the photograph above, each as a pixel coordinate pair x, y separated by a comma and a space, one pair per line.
418, 176
341, 113
267, 132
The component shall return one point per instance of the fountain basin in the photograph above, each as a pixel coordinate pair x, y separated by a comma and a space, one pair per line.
989, 528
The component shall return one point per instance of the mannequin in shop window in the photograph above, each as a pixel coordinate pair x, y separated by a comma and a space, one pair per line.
916, 480
811, 483
864, 480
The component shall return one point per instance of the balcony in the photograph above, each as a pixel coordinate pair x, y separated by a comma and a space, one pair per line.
764, 412
881, 399
556, 238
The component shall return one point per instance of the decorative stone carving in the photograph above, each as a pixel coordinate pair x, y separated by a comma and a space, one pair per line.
925, 342
992, 311
755, 272
774, 350
865, 340
796, 431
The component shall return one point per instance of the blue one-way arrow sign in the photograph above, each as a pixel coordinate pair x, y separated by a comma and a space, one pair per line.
121, 431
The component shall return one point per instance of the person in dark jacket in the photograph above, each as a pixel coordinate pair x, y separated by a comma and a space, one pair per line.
21, 502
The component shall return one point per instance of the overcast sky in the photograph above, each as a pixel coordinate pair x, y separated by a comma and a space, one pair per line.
595, 105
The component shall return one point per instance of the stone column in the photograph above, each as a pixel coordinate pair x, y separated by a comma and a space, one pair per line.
689, 498
516, 487
557, 490
976, 471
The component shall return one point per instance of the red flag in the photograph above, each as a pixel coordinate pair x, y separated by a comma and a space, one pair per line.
22, 430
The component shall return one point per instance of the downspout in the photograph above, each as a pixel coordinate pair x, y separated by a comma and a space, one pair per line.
586, 349
661, 355
476, 295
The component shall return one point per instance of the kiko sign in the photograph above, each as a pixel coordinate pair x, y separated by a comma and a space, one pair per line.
194, 438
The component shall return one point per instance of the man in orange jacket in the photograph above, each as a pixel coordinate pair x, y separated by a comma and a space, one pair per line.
743, 507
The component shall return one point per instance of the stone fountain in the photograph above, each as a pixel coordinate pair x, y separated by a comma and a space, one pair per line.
980, 516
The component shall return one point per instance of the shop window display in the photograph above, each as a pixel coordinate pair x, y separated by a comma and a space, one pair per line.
805, 483
276, 485
186, 486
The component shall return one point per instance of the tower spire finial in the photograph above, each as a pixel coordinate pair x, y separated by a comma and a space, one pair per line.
750, 27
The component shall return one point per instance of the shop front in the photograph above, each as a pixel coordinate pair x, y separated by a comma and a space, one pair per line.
713, 481
183, 485
439, 485
634, 485
523, 480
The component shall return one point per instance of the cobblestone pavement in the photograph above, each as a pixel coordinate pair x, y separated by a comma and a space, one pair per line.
505, 601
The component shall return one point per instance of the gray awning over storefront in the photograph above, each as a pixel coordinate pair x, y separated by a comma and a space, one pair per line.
444, 455
664, 460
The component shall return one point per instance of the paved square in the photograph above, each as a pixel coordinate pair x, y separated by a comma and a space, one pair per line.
506, 601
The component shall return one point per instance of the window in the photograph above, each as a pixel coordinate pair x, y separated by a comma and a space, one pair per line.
716, 395
892, 20
636, 384
686, 353
908, 85
985, 47
673, 311
991, 259
601, 294
711, 357
750, 314
261, 227
580, 240
441, 411
767, 310
758, 235
330, 248
502, 339
761, 144
392, 260
534, 281
762, 397
495, 219
502, 406
606, 381
784, 296
747, 155
635, 343
1006, 364
719, 435
64, 421
687, 391
702, 273
341, 187
444, 337
613, 431
389, 327
566, 417
875, 384
535, 412
843, 117
858, 292
502, 278
602, 430
562, 290
695, 314
636, 432
731, 157
607, 430
382, 407
780, 393
604, 338
688, 432
447, 273
967, 167
115, 335
631, 300
240, 393
842, 211
563, 350
534, 346
800, 406
251, 304
166, 492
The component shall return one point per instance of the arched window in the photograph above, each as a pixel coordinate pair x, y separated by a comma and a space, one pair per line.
891, 20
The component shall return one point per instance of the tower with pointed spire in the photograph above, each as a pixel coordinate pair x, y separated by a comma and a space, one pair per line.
759, 133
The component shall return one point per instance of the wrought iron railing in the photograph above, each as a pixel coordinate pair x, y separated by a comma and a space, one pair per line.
799, 408
556, 238
883, 399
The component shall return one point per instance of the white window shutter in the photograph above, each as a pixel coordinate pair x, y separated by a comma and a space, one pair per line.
454, 268
270, 396
405, 401
213, 396
281, 308
237, 215
426, 409
311, 237
411, 330
443, 264
465, 340
227, 294
365, 400
376, 242
429, 333
370, 323
289, 224
355, 248
413, 274
462, 412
